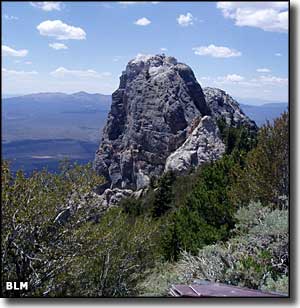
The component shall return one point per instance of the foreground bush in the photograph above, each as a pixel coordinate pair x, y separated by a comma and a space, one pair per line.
257, 254
113, 258
159, 279
206, 215
35, 247
265, 176
58, 238
255, 257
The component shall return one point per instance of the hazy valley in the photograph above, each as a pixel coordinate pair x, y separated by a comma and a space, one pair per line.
39, 130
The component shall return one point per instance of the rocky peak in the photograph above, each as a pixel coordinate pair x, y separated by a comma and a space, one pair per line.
150, 114
160, 108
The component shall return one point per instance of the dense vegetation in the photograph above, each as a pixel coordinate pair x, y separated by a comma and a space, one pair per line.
256, 256
52, 239
226, 221
265, 176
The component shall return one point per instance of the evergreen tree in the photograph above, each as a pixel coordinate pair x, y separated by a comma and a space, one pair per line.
164, 195
207, 213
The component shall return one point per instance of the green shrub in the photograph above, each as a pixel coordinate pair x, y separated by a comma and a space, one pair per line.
115, 256
280, 285
58, 237
237, 138
33, 244
265, 176
207, 213
164, 195
131, 206
257, 253
159, 279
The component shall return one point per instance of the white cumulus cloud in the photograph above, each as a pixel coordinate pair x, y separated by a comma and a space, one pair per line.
278, 54
13, 73
62, 72
58, 46
266, 15
234, 78
263, 70
227, 79
143, 21
60, 30
185, 20
216, 51
8, 51
47, 6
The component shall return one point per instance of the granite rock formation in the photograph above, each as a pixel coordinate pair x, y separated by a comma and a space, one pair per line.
224, 106
150, 114
161, 119
202, 145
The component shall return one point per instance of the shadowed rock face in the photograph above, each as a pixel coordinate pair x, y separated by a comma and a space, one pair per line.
151, 110
158, 105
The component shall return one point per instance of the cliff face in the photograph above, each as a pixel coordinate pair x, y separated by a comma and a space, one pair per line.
151, 110
159, 108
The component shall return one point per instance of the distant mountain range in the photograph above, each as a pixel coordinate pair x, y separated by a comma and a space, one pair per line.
260, 114
82, 98
257, 101
54, 116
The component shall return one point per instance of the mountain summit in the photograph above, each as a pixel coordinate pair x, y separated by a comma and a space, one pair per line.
160, 119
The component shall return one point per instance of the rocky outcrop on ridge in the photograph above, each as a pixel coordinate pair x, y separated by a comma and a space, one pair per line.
160, 119
202, 145
224, 106
150, 114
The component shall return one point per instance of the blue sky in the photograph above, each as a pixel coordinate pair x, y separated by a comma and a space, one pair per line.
241, 47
